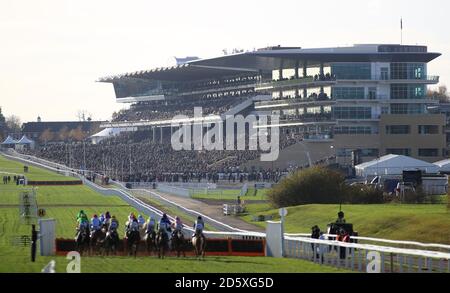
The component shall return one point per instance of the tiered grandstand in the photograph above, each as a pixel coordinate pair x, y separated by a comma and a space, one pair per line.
334, 104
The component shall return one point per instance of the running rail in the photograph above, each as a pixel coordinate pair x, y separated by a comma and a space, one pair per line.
192, 212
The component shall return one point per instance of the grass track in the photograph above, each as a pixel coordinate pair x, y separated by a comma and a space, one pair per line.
63, 203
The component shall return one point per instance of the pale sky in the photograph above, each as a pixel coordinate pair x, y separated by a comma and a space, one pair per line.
53, 51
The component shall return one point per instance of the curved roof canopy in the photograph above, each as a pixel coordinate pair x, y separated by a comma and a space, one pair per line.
268, 59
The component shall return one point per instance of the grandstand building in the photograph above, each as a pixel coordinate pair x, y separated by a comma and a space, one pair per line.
352, 104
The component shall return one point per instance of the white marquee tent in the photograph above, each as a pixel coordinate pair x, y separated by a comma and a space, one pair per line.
444, 165
394, 165
108, 132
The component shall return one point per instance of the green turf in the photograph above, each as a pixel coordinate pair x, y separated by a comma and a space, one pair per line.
16, 259
63, 202
419, 222
34, 173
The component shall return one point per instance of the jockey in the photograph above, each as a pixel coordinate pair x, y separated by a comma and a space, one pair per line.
150, 225
164, 223
134, 225
131, 217
102, 219
107, 218
83, 222
81, 215
114, 224
141, 221
95, 223
178, 224
199, 225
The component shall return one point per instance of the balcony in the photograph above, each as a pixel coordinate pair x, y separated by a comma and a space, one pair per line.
319, 137
293, 83
309, 118
312, 100
428, 79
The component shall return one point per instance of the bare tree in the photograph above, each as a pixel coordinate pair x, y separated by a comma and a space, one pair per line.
440, 94
84, 115
13, 124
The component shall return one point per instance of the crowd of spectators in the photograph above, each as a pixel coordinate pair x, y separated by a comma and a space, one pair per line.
133, 156
167, 109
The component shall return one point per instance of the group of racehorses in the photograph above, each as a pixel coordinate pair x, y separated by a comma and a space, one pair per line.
104, 241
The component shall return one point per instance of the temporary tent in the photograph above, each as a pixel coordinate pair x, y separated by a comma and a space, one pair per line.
394, 165
108, 132
9, 142
444, 166
25, 142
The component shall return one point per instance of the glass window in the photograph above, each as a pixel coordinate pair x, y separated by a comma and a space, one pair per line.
407, 109
347, 93
428, 152
352, 112
384, 73
407, 91
398, 129
351, 70
353, 130
372, 93
369, 152
403, 152
428, 129
408, 71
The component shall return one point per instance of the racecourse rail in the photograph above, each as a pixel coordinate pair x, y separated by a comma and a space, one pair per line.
354, 256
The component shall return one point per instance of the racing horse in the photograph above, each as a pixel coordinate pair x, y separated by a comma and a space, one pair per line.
150, 241
98, 239
82, 239
178, 242
111, 241
162, 242
199, 243
133, 239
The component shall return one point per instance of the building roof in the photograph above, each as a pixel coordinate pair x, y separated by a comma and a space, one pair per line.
443, 165
273, 58
111, 131
394, 165
9, 140
25, 140
182, 72
55, 126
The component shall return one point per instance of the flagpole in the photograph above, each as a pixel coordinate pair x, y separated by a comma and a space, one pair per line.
401, 31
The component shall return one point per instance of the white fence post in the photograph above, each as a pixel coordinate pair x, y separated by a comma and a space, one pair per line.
274, 239
47, 236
